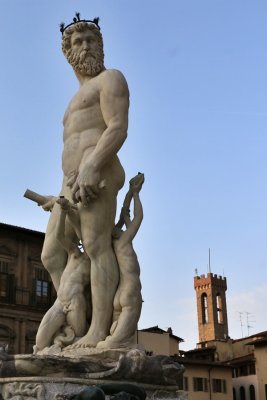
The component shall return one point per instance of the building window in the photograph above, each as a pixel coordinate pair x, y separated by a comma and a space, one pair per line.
6, 338
4, 269
4, 266
42, 287
3, 285
42, 292
251, 369
219, 308
242, 393
252, 395
204, 305
200, 384
219, 385
183, 383
41, 274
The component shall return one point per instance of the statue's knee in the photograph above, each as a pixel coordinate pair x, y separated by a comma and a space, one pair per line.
45, 257
93, 246
52, 258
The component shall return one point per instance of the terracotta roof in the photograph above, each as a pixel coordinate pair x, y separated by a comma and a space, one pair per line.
201, 350
242, 359
156, 329
259, 335
258, 342
192, 361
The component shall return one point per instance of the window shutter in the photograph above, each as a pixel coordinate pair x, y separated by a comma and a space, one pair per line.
185, 383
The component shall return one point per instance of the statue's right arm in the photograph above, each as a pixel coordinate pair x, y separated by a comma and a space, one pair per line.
134, 225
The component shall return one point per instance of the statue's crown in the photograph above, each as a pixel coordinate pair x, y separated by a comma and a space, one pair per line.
76, 20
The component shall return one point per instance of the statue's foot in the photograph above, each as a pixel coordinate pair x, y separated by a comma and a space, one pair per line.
113, 343
88, 340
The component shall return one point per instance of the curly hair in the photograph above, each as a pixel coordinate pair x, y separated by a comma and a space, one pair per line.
80, 27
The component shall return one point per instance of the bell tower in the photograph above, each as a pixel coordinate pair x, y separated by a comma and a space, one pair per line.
211, 307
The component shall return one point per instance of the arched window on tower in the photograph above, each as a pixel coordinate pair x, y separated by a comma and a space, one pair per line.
219, 308
234, 395
252, 395
242, 393
204, 305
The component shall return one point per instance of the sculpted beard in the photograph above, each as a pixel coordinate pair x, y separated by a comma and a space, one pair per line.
86, 63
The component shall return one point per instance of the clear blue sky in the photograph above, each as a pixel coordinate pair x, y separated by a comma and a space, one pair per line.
197, 72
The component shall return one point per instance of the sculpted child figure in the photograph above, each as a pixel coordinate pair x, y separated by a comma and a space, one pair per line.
95, 127
128, 300
70, 309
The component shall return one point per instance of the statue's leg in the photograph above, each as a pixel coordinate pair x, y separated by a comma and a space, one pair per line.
76, 317
97, 222
50, 324
116, 310
54, 257
131, 303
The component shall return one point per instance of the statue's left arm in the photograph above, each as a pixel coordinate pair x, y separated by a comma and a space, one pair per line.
114, 104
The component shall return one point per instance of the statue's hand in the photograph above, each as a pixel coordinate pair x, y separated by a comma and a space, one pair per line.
136, 188
86, 187
136, 183
49, 204
64, 204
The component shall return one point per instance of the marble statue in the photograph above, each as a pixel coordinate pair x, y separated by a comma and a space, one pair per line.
88, 335
95, 127
66, 321
128, 299
67, 318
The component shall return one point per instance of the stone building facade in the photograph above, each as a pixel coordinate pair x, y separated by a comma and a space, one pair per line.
204, 378
26, 291
246, 356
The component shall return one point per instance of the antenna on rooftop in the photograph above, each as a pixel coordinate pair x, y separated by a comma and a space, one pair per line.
241, 321
196, 272
209, 262
249, 321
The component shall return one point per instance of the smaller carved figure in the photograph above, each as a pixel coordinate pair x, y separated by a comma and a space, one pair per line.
68, 316
128, 300
23, 390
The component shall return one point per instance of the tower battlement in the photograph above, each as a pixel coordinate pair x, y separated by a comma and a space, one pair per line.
204, 282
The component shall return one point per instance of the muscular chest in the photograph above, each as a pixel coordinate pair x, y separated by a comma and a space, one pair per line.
86, 99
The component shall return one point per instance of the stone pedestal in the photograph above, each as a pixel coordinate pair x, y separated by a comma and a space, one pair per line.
57, 377
49, 388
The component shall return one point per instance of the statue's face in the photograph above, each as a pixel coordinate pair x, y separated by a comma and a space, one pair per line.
85, 40
85, 53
